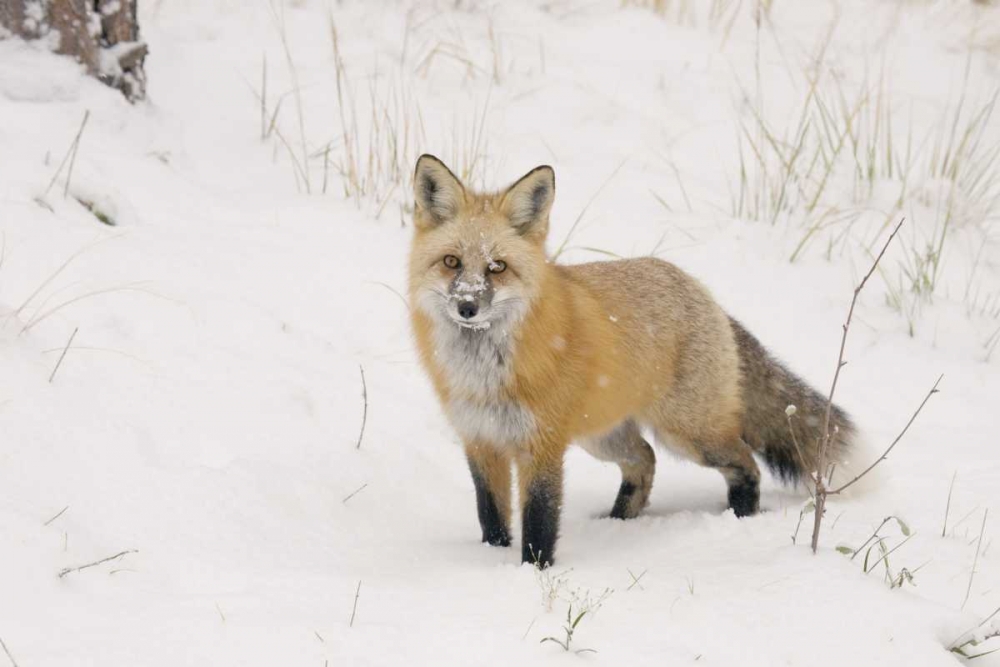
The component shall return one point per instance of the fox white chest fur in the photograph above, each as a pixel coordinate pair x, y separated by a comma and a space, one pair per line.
477, 364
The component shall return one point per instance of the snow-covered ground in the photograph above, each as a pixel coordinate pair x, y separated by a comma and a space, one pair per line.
207, 412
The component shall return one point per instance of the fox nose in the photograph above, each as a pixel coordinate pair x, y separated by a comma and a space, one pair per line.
467, 309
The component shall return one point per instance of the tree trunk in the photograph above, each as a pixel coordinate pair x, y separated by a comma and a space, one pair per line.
102, 35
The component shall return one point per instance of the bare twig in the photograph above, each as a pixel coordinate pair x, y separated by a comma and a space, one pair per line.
70, 156
947, 507
63, 355
55, 274
354, 493
635, 579
364, 415
263, 98
821, 491
975, 561
976, 641
280, 25
843, 343
809, 505
789, 413
583, 211
76, 148
70, 570
983, 622
391, 289
873, 536
128, 287
888, 553
354, 610
61, 512
885, 454
7, 651
964, 518
530, 625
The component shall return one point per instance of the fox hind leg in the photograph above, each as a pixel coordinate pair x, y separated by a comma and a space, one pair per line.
625, 446
736, 463
491, 476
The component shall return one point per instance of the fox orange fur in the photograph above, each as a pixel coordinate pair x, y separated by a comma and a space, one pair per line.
528, 356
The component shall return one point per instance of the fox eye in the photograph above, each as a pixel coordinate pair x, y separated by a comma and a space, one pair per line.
452, 262
498, 266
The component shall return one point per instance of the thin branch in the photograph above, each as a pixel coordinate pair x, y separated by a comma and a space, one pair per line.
889, 552
7, 651
530, 625
263, 99
354, 610
981, 624
975, 562
76, 148
635, 579
809, 505
56, 273
583, 211
391, 289
61, 512
364, 415
63, 355
964, 518
947, 507
874, 536
71, 151
354, 493
976, 641
70, 570
789, 413
824, 441
885, 454
843, 345
128, 287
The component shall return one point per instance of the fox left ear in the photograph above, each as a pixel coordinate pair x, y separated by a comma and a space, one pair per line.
527, 203
438, 192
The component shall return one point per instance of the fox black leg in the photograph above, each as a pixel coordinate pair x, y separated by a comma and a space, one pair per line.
742, 475
744, 493
625, 446
491, 477
624, 500
541, 501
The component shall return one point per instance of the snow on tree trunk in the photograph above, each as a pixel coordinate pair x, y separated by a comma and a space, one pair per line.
103, 35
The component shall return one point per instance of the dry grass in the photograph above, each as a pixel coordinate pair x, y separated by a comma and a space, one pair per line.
839, 164
379, 129
716, 15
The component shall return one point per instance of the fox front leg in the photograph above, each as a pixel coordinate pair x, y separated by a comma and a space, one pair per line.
491, 475
540, 480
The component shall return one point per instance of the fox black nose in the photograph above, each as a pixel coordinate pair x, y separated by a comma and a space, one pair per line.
467, 309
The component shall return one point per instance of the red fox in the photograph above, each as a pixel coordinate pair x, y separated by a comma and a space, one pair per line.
527, 356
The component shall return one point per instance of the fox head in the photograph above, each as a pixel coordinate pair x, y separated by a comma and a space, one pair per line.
477, 259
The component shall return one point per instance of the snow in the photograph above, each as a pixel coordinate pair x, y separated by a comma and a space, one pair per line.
111, 8
208, 411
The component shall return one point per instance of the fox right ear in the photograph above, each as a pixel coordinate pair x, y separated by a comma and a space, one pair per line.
438, 192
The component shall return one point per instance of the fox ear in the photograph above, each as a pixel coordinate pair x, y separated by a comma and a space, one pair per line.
527, 203
437, 191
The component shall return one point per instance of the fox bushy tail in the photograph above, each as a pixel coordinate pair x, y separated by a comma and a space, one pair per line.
768, 389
